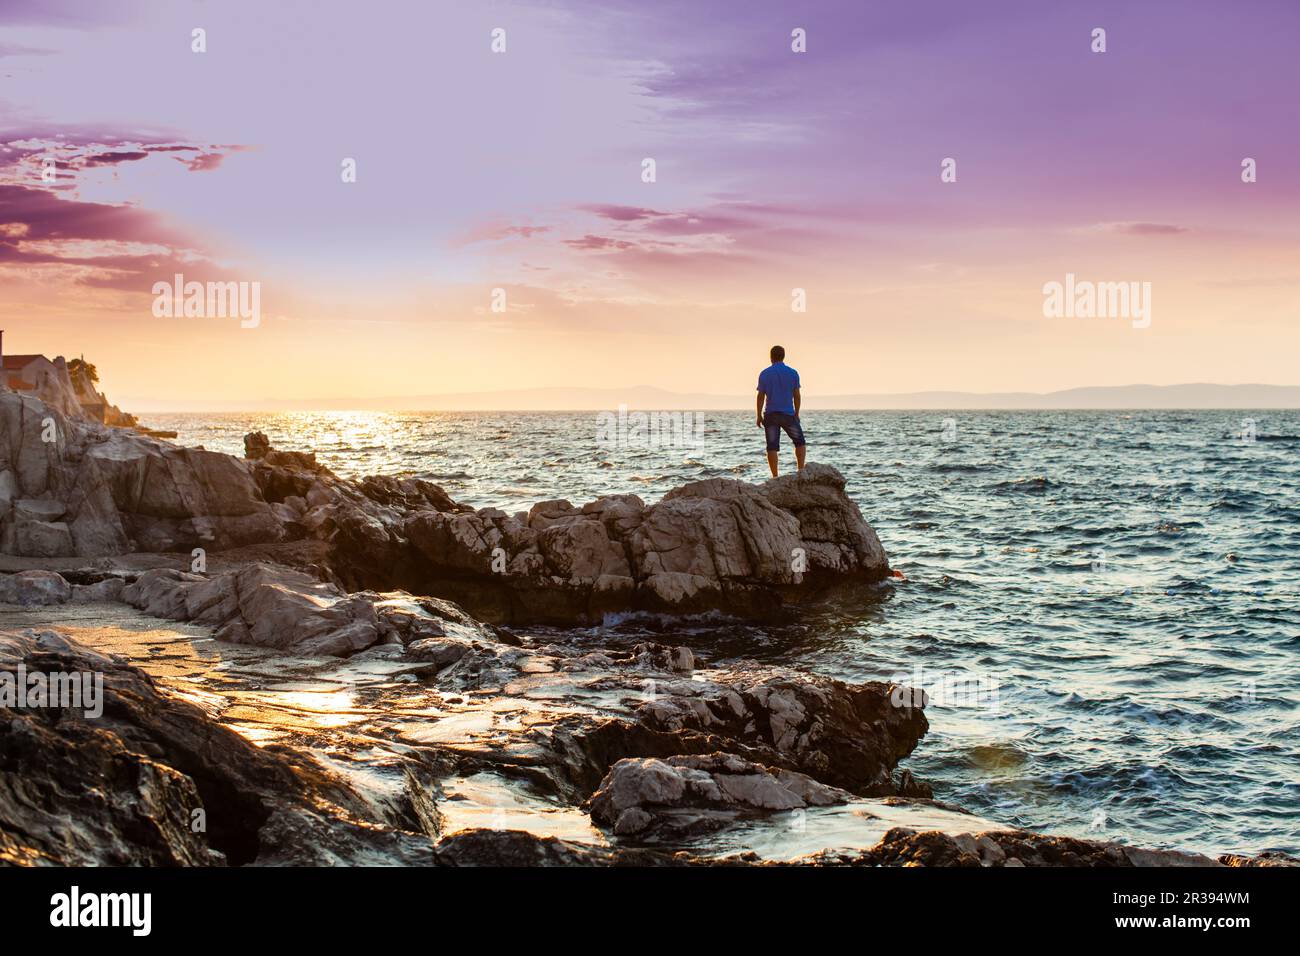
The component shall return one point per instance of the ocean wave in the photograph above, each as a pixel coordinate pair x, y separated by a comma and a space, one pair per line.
1033, 485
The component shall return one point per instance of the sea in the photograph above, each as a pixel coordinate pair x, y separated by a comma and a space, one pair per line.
1103, 606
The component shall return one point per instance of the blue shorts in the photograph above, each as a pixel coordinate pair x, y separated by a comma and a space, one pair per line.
775, 422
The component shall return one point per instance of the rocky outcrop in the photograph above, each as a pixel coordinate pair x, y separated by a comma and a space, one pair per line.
75, 488
154, 781
711, 545
286, 609
725, 545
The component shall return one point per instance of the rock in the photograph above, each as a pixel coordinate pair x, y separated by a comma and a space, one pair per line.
34, 587
109, 589
113, 490
38, 509
8, 490
281, 608
256, 445
125, 788
838, 540
587, 711
848, 735
518, 848
1267, 858
42, 539
689, 793
1140, 857
747, 550
716, 545
903, 847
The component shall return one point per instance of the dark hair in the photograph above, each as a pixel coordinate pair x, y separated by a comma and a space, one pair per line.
778, 353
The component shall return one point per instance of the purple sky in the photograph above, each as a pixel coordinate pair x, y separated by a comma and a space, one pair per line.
775, 170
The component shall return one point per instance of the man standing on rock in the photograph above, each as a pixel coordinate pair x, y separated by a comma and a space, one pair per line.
778, 385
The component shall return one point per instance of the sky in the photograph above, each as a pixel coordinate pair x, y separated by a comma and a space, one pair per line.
523, 171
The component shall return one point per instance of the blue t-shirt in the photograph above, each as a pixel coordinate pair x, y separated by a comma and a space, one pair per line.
778, 382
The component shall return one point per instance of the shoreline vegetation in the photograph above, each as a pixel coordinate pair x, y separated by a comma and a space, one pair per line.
299, 668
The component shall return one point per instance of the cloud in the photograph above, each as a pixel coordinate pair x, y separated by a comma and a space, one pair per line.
15, 49
591, 243
110, 246
23, 152
621, 213
1141, 228
497, 231
202, 162
112, 159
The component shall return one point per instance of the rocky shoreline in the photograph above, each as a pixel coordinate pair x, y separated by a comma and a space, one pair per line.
336, 671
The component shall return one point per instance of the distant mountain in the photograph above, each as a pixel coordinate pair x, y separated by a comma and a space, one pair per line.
1199, 395
646, 397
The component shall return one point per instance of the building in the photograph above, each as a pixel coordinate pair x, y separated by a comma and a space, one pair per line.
26, 372
47, 380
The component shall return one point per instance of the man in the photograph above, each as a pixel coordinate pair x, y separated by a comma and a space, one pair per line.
778, 385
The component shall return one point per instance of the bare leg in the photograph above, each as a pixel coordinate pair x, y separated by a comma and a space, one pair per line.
798, 456
771, 461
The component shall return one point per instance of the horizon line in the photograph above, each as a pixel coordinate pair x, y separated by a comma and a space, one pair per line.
633, 398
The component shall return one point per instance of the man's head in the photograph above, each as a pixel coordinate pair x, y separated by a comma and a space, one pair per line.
778, 354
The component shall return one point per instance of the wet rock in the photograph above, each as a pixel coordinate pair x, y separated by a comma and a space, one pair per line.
590, 709
1267, 858
686, 794
519, 848
904, 847
153, 781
